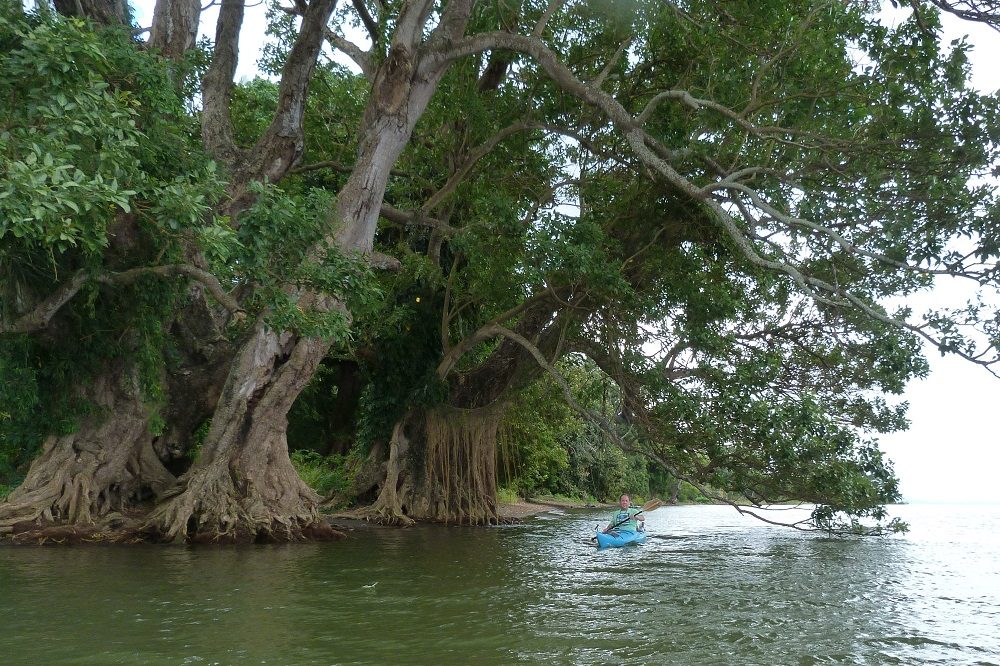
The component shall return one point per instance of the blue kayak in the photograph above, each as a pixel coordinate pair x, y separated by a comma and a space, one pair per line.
619, 538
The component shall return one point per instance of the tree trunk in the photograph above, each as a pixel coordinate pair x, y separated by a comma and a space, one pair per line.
175, 27
243, 487
459, 483
390, 506
452, 476
105, 12
95, 478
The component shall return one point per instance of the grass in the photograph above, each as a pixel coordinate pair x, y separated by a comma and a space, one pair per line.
322, 474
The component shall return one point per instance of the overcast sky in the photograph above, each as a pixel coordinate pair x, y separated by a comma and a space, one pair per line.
951, 453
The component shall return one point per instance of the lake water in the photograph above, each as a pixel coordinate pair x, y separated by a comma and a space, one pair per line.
708, 587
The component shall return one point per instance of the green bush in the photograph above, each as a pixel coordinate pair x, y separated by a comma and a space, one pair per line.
507, 495
324, 474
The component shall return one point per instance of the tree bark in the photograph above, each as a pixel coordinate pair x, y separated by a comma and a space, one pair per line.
442, 468
105, 12
389, 508
95, 478
175, 27
243, 487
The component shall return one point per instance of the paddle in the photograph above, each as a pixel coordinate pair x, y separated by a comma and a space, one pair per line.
651, 505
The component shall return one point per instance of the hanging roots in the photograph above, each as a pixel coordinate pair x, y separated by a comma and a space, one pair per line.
460, 463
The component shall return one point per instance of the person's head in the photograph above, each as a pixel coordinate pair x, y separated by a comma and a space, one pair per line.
624, 501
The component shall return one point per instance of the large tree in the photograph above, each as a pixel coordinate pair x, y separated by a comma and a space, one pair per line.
750, 182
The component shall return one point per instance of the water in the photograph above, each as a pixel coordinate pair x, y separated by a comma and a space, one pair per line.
709, 587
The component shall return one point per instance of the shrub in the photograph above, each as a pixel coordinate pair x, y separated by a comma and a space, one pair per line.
324, 474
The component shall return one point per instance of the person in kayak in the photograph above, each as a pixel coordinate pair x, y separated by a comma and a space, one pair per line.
626, 518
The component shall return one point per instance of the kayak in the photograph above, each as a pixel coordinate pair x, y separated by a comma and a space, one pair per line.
619, 538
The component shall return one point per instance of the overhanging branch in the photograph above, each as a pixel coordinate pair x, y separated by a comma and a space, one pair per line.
612, 432
640, 142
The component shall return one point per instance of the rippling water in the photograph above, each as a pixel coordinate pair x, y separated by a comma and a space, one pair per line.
709, 587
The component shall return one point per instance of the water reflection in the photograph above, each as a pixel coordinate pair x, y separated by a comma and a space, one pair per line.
708, 587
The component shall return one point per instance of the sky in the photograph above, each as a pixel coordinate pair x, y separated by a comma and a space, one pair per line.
951, 453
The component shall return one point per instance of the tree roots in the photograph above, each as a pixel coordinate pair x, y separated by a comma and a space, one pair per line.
215, 505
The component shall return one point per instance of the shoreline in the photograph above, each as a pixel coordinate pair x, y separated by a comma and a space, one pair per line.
515, 513
529, 508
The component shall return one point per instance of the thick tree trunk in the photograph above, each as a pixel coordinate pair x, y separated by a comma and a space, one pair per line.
95, 478
105, 12
243, 486
459, 481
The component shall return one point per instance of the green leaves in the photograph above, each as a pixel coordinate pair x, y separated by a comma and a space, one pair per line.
275, 250
74, 156
97, 172
48, 201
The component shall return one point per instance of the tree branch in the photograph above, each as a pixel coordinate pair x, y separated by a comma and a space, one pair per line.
554, 6
612, 432
39, 318
485, 332
361, 58
984, 11
370, 24
454, 19
470, 161
42, 314
416, 217
603, 75
410, 23
282, 143
216, 125
173, 270
640, 141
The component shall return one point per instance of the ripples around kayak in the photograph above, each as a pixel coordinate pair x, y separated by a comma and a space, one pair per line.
708, 587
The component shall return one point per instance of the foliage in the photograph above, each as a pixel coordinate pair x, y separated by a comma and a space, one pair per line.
279, 248
547, 448
688, 494
99, 173
406, 334
533, 454
507, 495
324, 474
